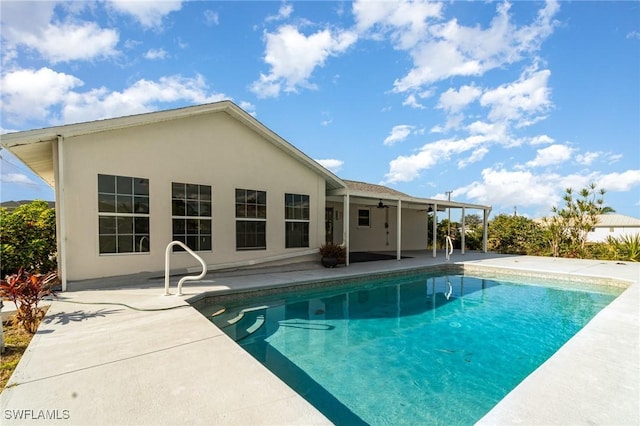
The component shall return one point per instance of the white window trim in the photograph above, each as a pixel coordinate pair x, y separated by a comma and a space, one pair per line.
358, 218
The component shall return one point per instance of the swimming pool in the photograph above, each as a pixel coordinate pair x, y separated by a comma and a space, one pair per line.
413, 349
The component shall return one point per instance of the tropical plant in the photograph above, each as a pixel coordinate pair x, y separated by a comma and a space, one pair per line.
626, 247
26, 291
335, 251
28, 238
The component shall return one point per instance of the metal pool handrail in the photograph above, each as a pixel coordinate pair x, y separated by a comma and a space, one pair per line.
167, 259
449, 248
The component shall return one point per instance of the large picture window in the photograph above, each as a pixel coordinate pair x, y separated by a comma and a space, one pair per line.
251, 219
123, 214
191, 215
296, 211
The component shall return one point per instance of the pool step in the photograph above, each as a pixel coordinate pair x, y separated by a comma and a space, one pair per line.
243, 323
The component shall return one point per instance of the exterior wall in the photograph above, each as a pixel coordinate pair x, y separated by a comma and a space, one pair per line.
211, 149
601, 234
374, 238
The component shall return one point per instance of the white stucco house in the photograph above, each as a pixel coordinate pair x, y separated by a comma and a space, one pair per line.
213, 177
613, 225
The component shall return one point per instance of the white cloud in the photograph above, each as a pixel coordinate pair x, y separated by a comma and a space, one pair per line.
476, 155
211, 17
551, 155
331, 164
634, 35
293, 56
283, 13
148, 13
456, 100
412, 102
29, 94
142, 96
587, 158
449, 49
52, 97
522, 101
153, 54
541, 140
406, 21
406, 168
504, 188
17, 178
398, 134
59, 41
619, 182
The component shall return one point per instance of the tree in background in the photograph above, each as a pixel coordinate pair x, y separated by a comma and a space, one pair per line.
28, 238
567, 230
512, 234
474, 231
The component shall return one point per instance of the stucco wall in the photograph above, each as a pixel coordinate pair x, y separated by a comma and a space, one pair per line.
212, 149
374, 238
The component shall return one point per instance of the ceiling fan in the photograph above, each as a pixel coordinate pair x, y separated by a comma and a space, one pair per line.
381, 205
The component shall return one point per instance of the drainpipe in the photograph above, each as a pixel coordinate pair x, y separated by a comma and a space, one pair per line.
61, 228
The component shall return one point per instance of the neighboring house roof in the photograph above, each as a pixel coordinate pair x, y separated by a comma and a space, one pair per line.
35, 147
614, 220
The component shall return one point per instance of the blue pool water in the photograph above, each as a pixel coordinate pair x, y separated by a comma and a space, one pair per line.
411, 350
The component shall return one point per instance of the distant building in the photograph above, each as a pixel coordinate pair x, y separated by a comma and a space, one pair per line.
613, 225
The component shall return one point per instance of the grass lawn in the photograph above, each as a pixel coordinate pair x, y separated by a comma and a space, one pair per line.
16, 340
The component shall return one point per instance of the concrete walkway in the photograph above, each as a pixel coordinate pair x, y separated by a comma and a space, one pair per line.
96, 361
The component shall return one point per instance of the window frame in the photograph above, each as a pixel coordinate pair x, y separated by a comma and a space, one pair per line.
298, 206
123, 203
251, 211
364, 209
198, 209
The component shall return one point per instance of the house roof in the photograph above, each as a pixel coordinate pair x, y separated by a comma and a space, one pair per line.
614, 220
35, 148
371, 194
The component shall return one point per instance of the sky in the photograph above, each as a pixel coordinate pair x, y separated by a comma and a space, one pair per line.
505, 104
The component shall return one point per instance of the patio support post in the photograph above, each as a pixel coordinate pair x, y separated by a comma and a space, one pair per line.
61, 228
345, 227
462, 233
485, 233
399, 236
435, 227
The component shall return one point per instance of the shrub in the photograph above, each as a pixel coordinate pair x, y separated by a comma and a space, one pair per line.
334, 250
28, 238
27, 290
626, 247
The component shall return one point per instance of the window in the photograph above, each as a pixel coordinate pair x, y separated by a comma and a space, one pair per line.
123, 214
364, 218
251, 219
191, 215
296, 215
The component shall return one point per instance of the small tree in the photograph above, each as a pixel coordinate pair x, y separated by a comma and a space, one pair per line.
28, 238
571, 225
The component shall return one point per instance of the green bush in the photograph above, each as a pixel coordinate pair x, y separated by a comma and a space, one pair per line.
626, 247
28, 239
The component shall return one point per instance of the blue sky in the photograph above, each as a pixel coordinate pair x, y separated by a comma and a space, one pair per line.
506, 104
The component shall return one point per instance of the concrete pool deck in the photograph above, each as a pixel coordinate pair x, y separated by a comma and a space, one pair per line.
96, 361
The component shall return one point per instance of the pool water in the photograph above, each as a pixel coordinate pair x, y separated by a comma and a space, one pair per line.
410, 350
